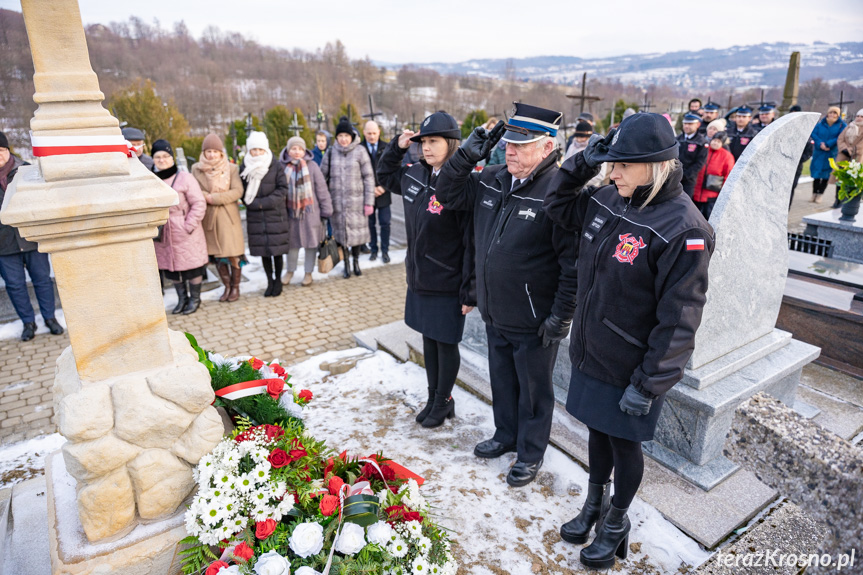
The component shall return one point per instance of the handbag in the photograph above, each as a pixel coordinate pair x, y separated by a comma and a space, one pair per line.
713, 183
328, 254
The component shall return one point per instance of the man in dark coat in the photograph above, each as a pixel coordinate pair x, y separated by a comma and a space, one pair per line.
136, 137
383, 199
740, 133
709, 112
17, 254
693, 152
766, 115
526, 278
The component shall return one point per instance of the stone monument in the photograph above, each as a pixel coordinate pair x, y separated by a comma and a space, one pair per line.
792, 83
130, 396
738, 350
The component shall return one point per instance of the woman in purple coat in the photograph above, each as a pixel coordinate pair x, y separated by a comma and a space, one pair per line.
308, 203
181, 248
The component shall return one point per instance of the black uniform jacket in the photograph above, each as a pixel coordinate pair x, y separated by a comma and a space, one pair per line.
525, 264
739, 140
440, 258
693, 156
11, 241
386, 198
642, 278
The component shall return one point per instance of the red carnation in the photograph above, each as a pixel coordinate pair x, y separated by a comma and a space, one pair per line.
389, 472
273, 431
328, 505
243, 551
305, 395
264, 529
335, 484
412, 516
275, 387
214, 567
256, 363
278, 458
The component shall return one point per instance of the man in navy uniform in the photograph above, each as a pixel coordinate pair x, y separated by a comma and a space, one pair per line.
693, 152
526, 276
741, 132
709, 112
766, 115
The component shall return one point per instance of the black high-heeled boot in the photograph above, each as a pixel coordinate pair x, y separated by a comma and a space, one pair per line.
194, 301
182, 297
592, 513
428, 407
443, 408
612, 539
357, 270
347, 271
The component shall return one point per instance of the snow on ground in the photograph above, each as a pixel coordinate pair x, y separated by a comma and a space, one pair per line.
12, 329
26, 459
254, 272
497, 528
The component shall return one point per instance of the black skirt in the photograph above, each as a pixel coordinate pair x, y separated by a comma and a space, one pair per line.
595, 404
186, 275
438, 317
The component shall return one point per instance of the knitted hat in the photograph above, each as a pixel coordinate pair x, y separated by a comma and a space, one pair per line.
212, 142
296, 141
345, 127
583, 129
162, 146
795, 108
4, 143
644, 137
257, 140
438, 124
628, 112
718, 124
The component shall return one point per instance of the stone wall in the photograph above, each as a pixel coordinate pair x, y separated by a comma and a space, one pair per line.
819, 471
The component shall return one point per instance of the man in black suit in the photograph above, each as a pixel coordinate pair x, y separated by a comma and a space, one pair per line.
383, 198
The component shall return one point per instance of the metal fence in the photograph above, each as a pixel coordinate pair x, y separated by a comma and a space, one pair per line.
810, 245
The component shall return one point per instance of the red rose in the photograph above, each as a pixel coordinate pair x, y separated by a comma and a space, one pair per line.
329, 504
335, 484
273, 431
278, 458
256, 363
275, 387
264, 529
305, 395
243, 552
277, 369
412, 516
214, 567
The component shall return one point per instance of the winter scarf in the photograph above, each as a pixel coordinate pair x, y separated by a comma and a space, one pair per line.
300, 193
217, 172
4, 172
255, 170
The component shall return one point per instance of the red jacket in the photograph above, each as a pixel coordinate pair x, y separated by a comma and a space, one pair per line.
719, 163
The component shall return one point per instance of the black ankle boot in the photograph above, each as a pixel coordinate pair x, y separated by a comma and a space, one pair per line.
347, 272
194, 299
269, 291
425, 410
182, 298
593, 512
443, 408
277, 287
612, 539
357, 270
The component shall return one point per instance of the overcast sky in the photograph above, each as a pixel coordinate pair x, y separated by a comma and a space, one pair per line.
456, 30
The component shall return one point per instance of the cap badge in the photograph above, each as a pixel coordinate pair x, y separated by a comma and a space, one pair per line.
616, 135
426, 123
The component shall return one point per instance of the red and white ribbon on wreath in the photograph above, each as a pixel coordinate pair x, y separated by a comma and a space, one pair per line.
70, 145
245, 389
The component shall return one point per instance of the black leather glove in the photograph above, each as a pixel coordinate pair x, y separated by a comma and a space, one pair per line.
480, 142
597, 147
634, 402
553, 329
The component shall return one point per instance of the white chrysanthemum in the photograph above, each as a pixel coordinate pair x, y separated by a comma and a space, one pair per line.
420, 566
424, 545
435, 569
414, 529
220, 360
245, 483
380, 533
261, 473
383, 494
411, 495
398, 548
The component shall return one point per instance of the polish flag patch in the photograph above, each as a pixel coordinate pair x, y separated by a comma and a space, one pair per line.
695, 245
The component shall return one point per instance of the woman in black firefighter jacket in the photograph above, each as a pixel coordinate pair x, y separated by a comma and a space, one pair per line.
643, 252
440, 258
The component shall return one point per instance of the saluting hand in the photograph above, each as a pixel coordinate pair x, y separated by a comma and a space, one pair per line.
481, 141
405, 139
597, 147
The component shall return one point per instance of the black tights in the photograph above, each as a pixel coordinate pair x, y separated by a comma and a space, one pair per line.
273, 264
819, 185
624, 457
442, 362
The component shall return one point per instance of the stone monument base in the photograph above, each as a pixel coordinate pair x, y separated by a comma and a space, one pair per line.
847, 237
149, 549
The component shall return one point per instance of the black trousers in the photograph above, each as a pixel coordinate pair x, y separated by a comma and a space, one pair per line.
520, 370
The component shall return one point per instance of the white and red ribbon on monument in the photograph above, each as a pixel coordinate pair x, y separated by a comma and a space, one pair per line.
69, 145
